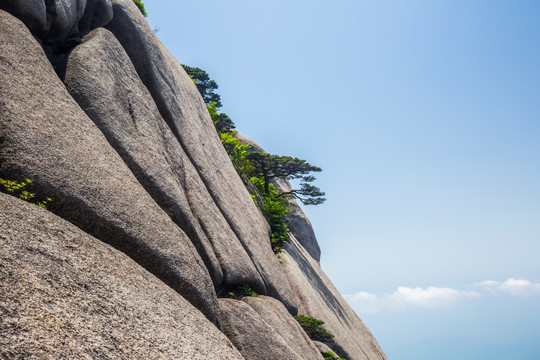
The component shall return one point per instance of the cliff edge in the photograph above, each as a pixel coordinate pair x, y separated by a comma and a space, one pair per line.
149, 227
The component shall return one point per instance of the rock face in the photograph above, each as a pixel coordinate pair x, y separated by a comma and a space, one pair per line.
255, 338
102, 79
149, 220
317, 297
47, 137
274, 314
67, 295
182, 107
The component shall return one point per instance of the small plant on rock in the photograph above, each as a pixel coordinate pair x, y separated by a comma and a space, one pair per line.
140, 5
241, 291
313, 328
328, 355
20, 189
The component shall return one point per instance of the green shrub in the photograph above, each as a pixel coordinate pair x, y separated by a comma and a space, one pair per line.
21, 189
313, 328
140, 5
241, 291
328, 355
274, 208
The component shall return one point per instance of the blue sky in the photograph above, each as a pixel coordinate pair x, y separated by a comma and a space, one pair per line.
425, 117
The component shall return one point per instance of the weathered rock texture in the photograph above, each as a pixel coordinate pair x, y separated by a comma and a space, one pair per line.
298, 222
47, 137
317, 297
257, 339
102, 79
182, 107
274, 314
131, 158
67, 295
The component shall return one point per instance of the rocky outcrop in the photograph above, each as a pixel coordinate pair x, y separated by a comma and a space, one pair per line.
148, 221
103, 81
97, 13
182, 107
67, 295
47, 137
56, 20
274, 314
317, 297
254, 337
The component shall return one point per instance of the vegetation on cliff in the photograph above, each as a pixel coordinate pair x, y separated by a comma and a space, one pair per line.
140, 5
22, 190
313, 328
260, 168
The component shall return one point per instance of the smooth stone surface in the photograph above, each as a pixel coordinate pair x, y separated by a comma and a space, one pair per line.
317, 297
251, 334
45, 136
102, 79
182, 107
274, 314
67, 295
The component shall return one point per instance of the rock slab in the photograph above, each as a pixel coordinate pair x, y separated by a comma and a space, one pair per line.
45, 136
67, 295
102, 79
252, 335
182, 107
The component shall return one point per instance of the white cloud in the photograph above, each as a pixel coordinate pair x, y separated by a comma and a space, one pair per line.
364, 302
431, 297
514, 287
406, 297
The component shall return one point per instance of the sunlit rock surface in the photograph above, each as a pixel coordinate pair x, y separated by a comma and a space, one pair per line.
48, 138
130, 158
67, 295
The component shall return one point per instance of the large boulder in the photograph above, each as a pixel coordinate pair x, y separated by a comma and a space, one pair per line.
252, 335
56, 20
64, 17
102, 79
274, 314
182, 107
317, 297
98, 13
45, 136
67, 295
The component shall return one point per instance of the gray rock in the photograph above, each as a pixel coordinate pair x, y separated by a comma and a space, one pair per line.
251, 334
182, 107
322, 347
317, 297
98, 13
274, 314
45, 136
67, 295
298, 222
63, 18
102, 79
32, 12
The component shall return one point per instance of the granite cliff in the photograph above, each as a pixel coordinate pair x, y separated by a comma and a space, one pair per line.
150, 225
